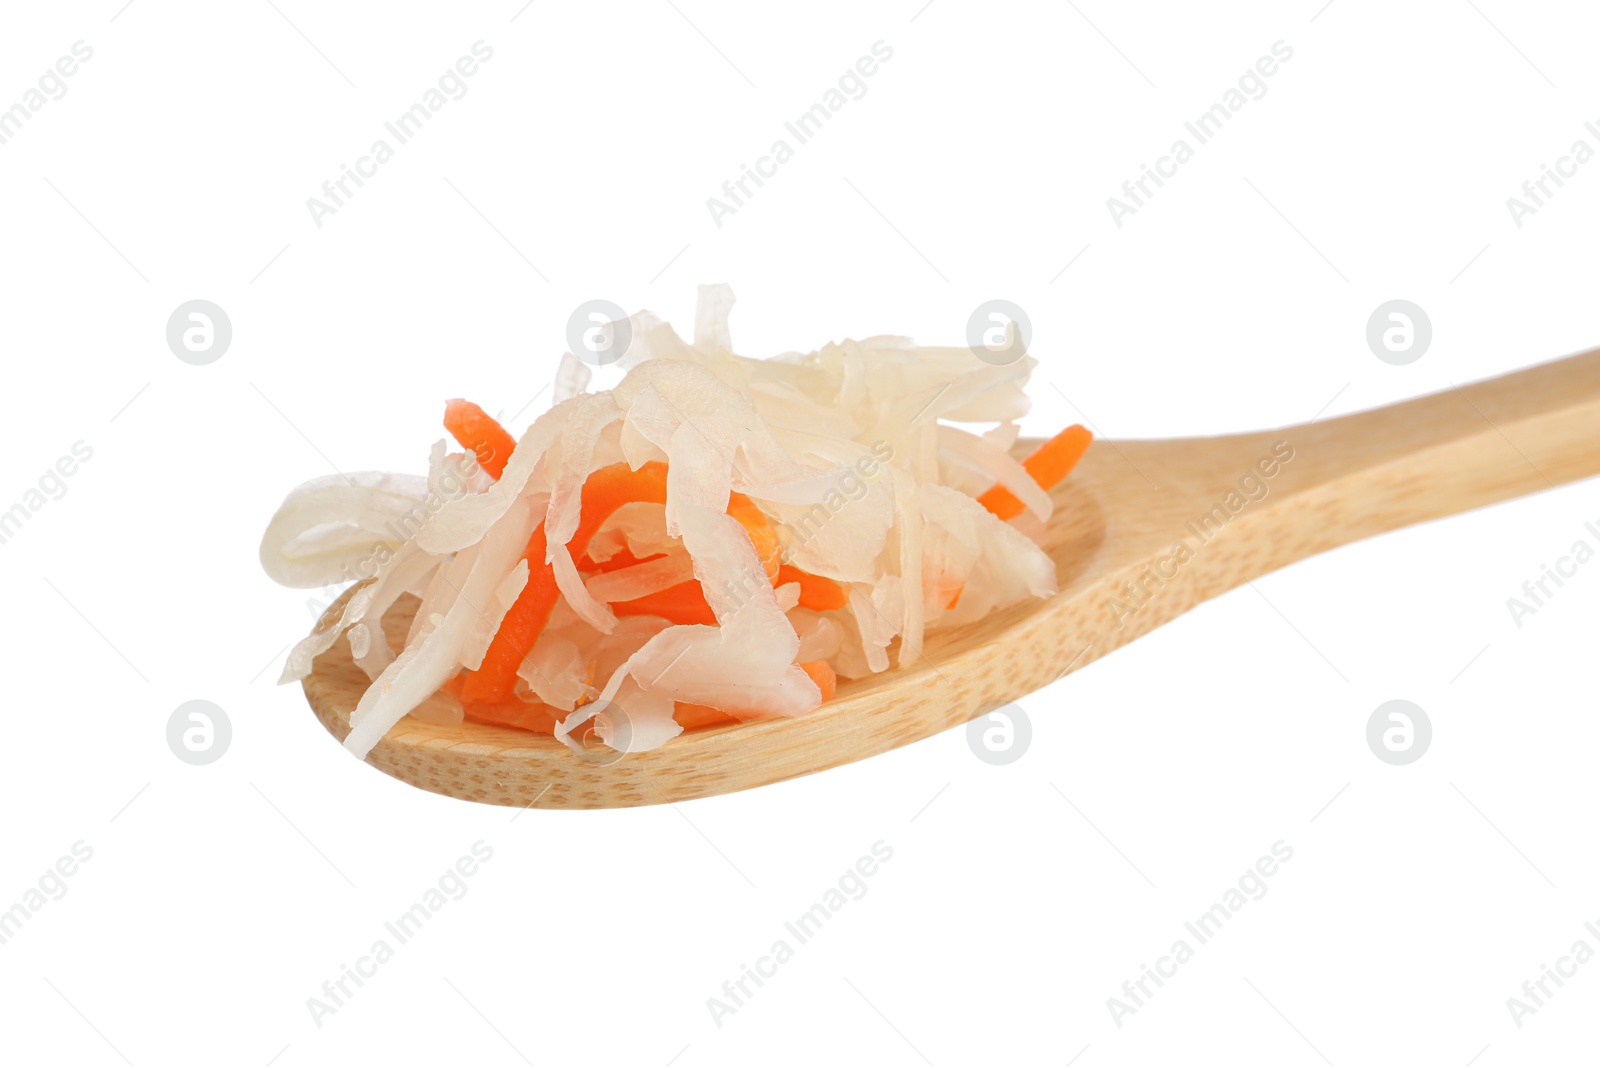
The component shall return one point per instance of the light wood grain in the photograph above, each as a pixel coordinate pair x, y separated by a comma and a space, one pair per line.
1122, 512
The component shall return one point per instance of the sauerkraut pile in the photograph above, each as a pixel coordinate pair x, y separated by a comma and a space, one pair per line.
715, 539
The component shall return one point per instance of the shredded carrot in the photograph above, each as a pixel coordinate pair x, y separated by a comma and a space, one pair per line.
1048, 465
683, 604
1054, 460
487, 693
762, 535
521, 626
476, 431
518, 714
694, 716
949, 591
606, 490
620, 559
649, 486
819, 671
818, 594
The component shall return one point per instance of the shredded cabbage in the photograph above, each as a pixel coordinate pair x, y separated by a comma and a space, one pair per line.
847, 452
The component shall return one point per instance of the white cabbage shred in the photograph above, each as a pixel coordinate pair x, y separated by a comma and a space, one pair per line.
847, 451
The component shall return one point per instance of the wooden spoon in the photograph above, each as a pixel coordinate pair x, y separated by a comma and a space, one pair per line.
1239, 506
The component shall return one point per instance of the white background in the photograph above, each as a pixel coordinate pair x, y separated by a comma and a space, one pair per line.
977, 165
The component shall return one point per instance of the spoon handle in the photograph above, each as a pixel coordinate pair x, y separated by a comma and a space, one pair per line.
1181, 521
1439, 455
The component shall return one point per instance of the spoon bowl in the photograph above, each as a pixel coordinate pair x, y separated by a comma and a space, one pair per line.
1143, 531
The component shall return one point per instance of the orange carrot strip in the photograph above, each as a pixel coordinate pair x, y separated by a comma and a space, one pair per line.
622, 558
472, 427
611, 487
694, 716
517, 714
521, 626
818, 594
604, 491
819, 672
1054, 460
762, 535
950, 591
608, 488
1049, 463
683, 604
